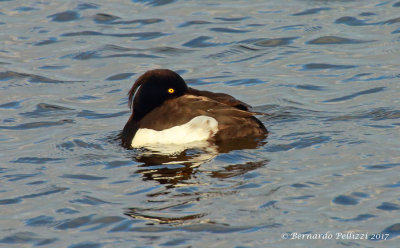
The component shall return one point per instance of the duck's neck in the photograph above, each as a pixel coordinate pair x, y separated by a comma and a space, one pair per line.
129, 131
132, 125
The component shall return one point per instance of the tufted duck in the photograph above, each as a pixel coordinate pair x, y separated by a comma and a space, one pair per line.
166, 111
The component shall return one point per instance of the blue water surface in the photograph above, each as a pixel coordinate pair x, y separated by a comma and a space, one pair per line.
324, 74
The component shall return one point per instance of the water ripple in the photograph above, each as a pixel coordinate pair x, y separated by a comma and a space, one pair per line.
11, 105
322, 66
25, 9
86, 245
311, 11
300, 144
148, 215
32, 78
328, 40
377, 114
247, 82
139, 35
17, 177
159, 49
132, 55
88, 114
27, 238
201, 42
392, 21
65, 16
393, 231
155, 2
351, 21
345, 200
41, 220
104, 18
38, 124
36, 160
228, 30
388, 206
140, 21
82, 177
52, 190
266, 42
360, 217
48, 41
191, 23
354, 95
232, 19
74, 223
85, 6
46, 110
120, 76
204, 227
89, 200
382, 166
78, 144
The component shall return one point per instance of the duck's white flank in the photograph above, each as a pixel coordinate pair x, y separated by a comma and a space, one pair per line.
197, 129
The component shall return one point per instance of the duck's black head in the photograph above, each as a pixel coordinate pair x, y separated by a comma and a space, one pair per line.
152, 89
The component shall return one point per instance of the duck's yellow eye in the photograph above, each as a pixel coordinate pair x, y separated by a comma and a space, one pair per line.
171, 90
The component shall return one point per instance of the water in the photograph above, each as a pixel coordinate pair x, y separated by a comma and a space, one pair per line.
326, 72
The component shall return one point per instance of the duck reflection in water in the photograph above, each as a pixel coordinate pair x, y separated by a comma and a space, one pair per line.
184, 170
174, 168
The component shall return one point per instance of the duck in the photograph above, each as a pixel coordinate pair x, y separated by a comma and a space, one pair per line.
165, 111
